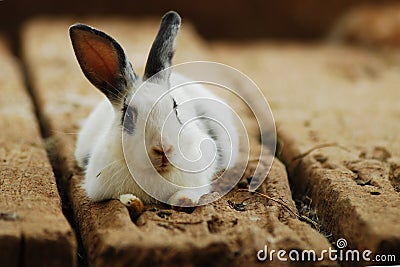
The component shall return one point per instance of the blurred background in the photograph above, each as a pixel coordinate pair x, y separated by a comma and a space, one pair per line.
223, 19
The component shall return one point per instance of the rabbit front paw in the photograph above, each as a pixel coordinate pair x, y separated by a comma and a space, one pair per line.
184, 200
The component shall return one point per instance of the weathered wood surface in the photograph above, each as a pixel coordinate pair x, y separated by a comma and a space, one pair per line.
33, 229
337, 113
215, 234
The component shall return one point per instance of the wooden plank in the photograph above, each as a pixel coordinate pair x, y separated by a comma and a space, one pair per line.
337, 114
33, 229
212, 235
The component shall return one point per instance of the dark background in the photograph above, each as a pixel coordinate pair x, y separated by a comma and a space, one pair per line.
214, 19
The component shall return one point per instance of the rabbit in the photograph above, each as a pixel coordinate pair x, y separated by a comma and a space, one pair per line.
127, 122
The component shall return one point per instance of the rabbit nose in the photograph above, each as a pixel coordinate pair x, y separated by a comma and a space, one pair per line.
162, 150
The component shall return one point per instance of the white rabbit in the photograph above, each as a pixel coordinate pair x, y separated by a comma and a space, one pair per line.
134, 131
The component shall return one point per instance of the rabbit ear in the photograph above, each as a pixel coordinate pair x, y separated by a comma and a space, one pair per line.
102, 60
163, 46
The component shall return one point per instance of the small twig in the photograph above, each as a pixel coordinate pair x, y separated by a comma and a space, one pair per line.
302, 155
309, 199
309, 151
270, 198
301, 217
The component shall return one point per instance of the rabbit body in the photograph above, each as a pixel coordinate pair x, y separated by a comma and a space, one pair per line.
152, 127
99, 148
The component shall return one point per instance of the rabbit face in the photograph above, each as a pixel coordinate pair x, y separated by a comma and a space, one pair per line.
160, 133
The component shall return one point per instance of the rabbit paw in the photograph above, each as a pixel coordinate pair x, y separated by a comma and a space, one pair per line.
133, 203
184, 200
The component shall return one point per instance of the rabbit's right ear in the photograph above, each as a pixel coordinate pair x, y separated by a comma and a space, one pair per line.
103, 61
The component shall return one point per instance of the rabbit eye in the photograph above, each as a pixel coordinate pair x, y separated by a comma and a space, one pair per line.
175, 107
129, 118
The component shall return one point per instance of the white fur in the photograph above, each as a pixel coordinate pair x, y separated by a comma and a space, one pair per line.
107, 175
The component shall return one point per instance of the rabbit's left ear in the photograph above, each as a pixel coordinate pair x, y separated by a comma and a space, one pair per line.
103, 61
162, 50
